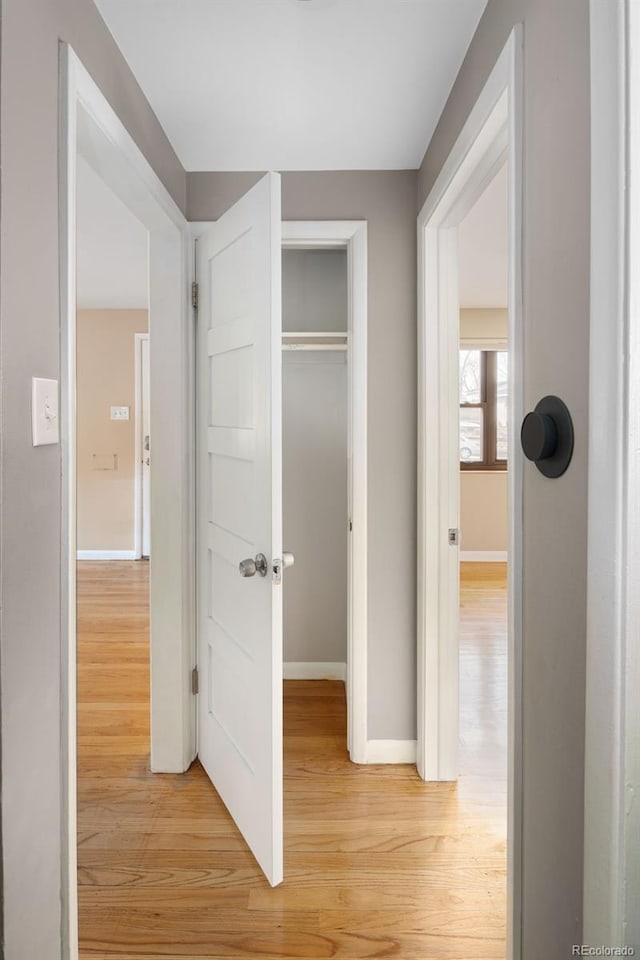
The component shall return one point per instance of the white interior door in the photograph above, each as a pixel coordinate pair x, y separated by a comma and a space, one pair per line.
146, 450
240, 517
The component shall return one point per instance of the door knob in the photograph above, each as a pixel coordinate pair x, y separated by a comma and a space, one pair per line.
249, 567
547, 436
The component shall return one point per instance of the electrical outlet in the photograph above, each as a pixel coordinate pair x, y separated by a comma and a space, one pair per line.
119, 413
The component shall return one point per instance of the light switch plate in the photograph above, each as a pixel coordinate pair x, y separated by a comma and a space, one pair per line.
45, 426
119, 413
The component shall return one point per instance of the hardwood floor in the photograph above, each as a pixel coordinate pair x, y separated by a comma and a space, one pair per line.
377, 863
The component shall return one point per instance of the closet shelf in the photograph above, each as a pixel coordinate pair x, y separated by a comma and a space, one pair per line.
314, 340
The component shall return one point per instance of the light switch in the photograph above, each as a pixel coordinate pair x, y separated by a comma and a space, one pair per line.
119, 413
44, 411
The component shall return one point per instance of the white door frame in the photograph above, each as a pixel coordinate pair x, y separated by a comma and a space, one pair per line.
492, 133
612, 743
138, 509
89, 126
352, 235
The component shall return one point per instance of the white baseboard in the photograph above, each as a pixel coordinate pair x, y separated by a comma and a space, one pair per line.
391, 751
106, 555
315, 671
483, 556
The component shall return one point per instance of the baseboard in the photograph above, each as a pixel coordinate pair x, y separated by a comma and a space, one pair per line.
391, 751
483, 556
315, 671
106, 555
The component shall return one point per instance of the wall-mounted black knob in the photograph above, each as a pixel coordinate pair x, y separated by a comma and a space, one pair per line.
547, 436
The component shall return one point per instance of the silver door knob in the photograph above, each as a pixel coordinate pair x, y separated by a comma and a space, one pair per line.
249, 567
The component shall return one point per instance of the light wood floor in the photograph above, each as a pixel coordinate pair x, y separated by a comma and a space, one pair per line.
377, 863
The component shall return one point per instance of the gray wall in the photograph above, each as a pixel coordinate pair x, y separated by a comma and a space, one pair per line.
314, 480
556, 319
29, 305
314, 454
387, 200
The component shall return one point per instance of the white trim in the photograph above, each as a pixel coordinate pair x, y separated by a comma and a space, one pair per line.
493, 132
107, 555
353, 235
391, 751
612, 735
484, 556
137, 474
314, 671
89, 125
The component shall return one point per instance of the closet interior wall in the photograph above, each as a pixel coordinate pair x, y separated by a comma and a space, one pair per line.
315, 444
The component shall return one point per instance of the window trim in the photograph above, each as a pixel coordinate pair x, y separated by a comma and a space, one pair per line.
488, 404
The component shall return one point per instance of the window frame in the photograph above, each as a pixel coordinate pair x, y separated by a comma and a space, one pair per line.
488, 403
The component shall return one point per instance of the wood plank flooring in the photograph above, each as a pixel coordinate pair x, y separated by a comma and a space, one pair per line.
377, 863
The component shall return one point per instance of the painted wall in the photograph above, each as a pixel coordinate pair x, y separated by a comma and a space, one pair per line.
31, 491
556, 200
484, 521
105, 452
387, 200
483, 511
314, 475
315, 511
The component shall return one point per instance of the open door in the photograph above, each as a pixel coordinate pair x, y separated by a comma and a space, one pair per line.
239, 526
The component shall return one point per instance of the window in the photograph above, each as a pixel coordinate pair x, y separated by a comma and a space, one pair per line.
483, 409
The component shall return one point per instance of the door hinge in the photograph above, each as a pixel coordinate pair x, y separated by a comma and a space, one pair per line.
194, 681
350, 525
194, 294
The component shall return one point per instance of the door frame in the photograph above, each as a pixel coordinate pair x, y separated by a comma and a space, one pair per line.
491, 135
352, 236
138, 508
88, 125
612, 733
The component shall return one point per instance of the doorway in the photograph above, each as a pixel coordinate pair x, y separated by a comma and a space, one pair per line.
89, 129
490, 138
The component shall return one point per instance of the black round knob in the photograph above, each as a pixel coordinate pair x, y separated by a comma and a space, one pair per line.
547, 436
539, 436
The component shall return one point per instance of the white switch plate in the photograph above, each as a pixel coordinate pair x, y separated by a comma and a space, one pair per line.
44, 412
119, 413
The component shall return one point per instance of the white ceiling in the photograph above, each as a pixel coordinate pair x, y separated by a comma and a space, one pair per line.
295, 84
483, 248
112, 246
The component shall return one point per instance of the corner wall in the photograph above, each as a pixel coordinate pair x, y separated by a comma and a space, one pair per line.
31, 488
556, 278
387, 200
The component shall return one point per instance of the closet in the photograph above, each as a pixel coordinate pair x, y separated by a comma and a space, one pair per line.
315, 476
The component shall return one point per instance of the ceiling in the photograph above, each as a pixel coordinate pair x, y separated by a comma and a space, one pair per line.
112, 248
483, 248
295, 84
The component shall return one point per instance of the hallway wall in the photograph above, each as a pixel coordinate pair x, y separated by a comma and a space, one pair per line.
387, 200
30, 521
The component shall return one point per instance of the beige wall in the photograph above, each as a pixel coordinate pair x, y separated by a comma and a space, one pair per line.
483, 494
483, 510
106, 377
484, 323
555, 262
31, 579
387, 201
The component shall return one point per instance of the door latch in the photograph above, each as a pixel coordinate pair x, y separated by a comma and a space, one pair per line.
454, 536
279, 565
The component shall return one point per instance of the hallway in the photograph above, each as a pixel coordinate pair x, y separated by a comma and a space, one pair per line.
377, 863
